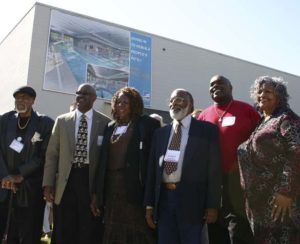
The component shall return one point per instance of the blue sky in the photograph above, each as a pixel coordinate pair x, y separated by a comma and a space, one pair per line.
265, 32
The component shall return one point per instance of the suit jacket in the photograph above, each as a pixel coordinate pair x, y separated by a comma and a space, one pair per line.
200, 185
33, 153
136, 160
60, 152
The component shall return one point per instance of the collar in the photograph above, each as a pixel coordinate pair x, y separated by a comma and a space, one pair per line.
88, 114
185, 122
223, 105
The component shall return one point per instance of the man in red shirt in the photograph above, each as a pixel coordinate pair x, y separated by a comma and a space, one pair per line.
235, 120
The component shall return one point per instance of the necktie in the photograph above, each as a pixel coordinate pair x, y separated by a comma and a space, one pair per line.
80, 154
171, 167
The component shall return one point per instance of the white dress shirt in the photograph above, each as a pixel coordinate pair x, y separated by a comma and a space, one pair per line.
185, 127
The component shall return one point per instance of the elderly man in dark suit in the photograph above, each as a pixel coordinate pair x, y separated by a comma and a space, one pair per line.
24, 139
183, 186
71, 159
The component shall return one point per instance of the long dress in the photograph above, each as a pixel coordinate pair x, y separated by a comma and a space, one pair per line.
269, 163
124, 222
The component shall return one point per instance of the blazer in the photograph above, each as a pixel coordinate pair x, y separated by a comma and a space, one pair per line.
60, 152
200, 185
136, 160
33, 153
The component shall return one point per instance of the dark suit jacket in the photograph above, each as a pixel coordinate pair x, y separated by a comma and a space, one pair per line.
33, 153
136, 160
200, 185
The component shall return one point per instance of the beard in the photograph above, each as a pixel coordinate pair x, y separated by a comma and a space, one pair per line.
179, 115
20, 108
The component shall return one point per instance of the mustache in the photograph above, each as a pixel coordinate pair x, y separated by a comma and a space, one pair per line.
21, 108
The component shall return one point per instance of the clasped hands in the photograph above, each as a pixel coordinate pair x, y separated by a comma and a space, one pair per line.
10, 182
281, 207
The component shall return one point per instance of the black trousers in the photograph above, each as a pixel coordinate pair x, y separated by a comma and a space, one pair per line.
73, 219
232, 226
25, 222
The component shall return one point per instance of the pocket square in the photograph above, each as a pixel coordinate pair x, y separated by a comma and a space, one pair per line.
36, 137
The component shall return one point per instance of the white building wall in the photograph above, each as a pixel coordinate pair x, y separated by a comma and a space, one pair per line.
14, 60
174, 65
189, 67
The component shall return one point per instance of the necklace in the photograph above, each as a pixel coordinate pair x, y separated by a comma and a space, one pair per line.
225, 111
114, 140
23, 127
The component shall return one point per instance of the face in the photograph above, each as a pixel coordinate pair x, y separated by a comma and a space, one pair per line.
267, 99
220, 90
85, 98
122, 108
23, 103
180, 105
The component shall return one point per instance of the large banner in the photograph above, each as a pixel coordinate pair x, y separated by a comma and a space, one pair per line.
81, 50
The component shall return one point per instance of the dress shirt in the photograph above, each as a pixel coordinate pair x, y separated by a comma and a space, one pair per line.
89, 119
185, 127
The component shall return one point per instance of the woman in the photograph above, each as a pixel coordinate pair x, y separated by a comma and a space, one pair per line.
270, 166
122, 169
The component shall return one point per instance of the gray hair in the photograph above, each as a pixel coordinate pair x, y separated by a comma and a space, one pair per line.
279, 85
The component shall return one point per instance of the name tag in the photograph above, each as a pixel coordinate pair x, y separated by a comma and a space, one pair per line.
172, 156
228, 121
16, 146
121, 130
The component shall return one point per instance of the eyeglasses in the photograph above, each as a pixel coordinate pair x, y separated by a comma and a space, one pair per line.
177, 100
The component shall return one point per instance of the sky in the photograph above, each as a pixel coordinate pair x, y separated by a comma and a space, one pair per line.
265, 32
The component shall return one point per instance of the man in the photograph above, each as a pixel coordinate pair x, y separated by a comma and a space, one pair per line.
23, 143
70, 166
235, 120
184, 175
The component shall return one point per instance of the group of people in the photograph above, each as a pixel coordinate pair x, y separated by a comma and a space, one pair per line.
229, 174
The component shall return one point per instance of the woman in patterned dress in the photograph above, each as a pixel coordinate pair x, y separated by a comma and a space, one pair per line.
119, 185
269, 164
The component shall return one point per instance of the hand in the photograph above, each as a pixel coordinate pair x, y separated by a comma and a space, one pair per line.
17, 179
211, 215
95, 210
49, 193
281, 206
149, 218
9, 182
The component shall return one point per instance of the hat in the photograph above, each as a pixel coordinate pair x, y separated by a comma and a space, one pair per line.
25, 89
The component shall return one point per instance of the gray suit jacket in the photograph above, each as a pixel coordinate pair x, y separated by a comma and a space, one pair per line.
61, 148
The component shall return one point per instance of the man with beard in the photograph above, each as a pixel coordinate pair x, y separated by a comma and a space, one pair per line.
235, 120
183, 186
23, 143
71, 162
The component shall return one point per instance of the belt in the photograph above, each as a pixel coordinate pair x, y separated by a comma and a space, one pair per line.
171, 186
79, 165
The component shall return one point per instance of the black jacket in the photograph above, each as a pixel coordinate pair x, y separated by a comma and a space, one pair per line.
136, 160
32, 155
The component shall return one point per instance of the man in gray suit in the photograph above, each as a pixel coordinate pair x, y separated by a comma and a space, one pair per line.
70, 167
